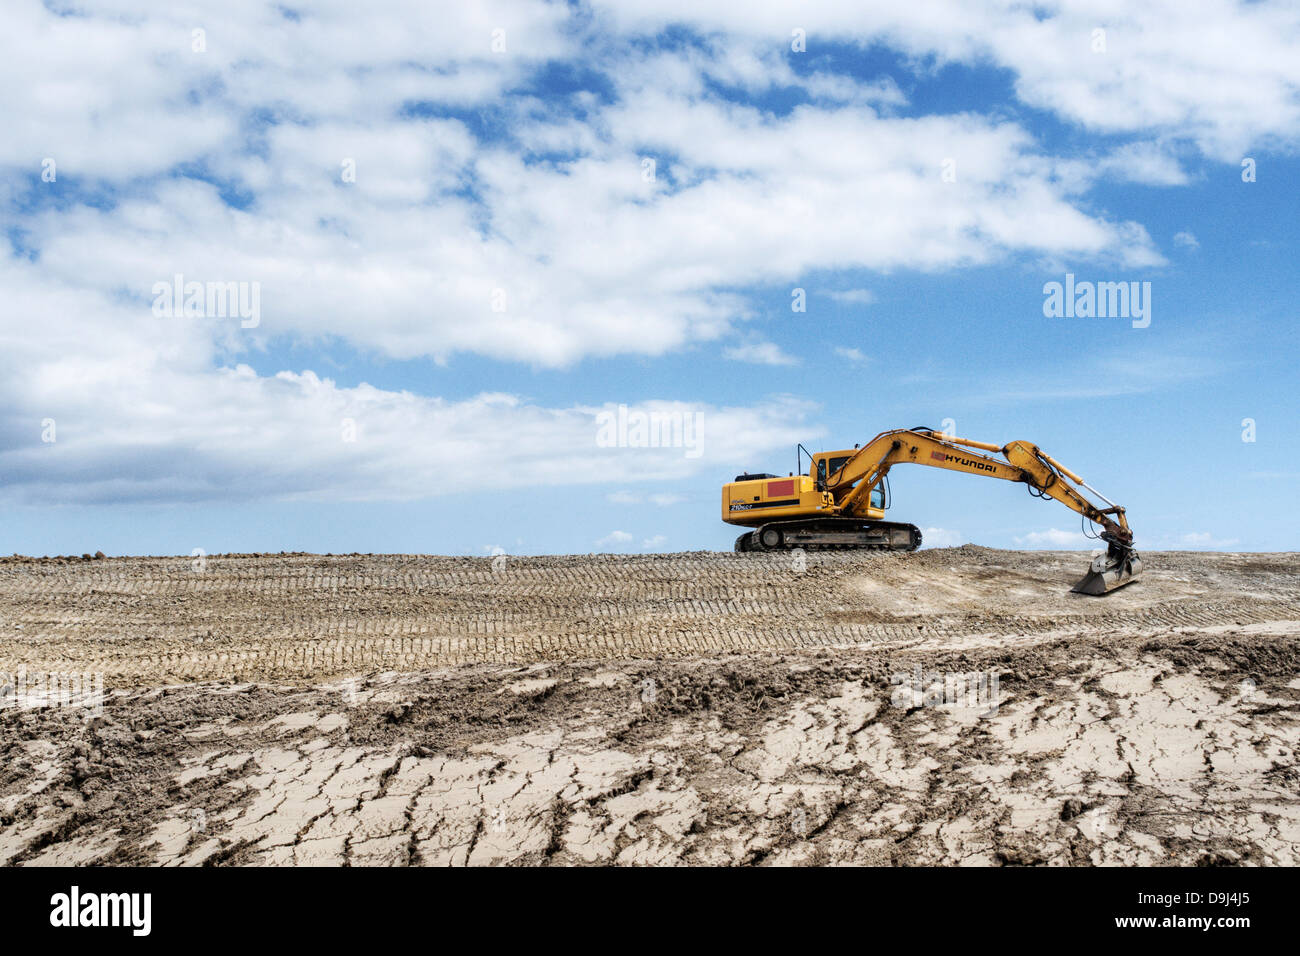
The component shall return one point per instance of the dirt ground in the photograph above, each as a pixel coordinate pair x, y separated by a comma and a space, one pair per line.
953, 706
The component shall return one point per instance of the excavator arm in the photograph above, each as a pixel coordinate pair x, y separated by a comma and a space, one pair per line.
850, 488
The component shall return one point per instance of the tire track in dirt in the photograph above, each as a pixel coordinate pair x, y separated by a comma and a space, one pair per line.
698, 708
159, 620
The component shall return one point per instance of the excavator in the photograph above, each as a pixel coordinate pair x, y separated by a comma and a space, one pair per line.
841, 501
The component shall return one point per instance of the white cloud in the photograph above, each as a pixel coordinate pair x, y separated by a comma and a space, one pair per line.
1054, 538
853, 355
588, 258
615, 539
1185, 239
1167, 69
656, 541
941, 538
1150, 164
759, 353
117, 90
148, 409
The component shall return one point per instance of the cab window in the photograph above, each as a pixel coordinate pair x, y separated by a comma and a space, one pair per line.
878, 497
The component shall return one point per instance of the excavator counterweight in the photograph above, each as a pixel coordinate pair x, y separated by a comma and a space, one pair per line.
840, 503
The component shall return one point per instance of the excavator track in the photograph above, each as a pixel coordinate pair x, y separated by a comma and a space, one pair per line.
831, 534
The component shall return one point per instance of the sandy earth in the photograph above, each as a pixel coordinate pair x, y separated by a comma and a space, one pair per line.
954, 706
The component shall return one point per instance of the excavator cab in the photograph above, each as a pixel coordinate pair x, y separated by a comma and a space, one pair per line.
827, 463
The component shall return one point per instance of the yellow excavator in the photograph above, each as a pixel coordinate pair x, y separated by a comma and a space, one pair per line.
841, 501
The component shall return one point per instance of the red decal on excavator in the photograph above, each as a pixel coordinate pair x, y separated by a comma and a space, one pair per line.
938, 456
775, 488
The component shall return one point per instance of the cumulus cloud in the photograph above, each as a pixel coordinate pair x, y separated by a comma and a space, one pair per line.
147, 408
1158, 68
445, 242
406, 191
1054, 538
759, 353
615, 539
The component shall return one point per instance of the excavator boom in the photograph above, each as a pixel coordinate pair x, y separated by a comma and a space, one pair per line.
841, 501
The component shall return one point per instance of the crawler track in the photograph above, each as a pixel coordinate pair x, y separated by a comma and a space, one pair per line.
831, 534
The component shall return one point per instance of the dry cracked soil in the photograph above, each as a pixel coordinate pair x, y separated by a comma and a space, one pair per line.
952, 706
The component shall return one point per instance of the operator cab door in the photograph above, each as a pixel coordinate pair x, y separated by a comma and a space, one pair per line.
828, 465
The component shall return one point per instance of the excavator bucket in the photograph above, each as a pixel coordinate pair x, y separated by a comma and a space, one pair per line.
1109, 571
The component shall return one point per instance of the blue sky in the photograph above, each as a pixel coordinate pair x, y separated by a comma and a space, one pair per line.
437, 334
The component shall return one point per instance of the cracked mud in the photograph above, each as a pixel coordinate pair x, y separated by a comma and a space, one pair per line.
697, 709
